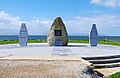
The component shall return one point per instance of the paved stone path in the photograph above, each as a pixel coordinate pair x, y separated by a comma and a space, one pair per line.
73, 49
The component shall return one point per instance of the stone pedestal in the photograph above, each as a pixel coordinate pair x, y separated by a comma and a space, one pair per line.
23, 35
93, 37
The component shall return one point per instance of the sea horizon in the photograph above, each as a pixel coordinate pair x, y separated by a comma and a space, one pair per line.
71, 37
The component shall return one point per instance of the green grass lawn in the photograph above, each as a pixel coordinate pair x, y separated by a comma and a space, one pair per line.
116, 75
37, 41
8, 41
78, 41
108, 42
17, 41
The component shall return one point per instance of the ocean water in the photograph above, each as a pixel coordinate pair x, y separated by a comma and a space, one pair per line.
39, 37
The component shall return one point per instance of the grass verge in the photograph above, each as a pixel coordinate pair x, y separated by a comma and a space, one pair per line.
107, 42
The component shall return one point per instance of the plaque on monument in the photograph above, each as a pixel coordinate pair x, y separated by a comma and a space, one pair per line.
58, 32
58, 43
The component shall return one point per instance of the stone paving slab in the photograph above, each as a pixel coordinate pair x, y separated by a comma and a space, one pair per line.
73, 49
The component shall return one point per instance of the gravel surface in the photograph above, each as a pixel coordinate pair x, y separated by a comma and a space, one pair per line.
45, 69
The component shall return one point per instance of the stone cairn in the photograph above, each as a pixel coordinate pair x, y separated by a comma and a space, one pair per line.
57, 35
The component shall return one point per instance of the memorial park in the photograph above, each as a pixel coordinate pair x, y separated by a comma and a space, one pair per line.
93, 52
59, 39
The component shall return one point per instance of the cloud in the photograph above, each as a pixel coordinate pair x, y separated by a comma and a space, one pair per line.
38, 26
107, 3
107, 24
11, 24
6, 19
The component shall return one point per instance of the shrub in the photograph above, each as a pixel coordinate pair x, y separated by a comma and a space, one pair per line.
116, 75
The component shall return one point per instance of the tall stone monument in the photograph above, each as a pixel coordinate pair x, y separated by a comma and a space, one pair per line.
57, 35
23, 35
93, 37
